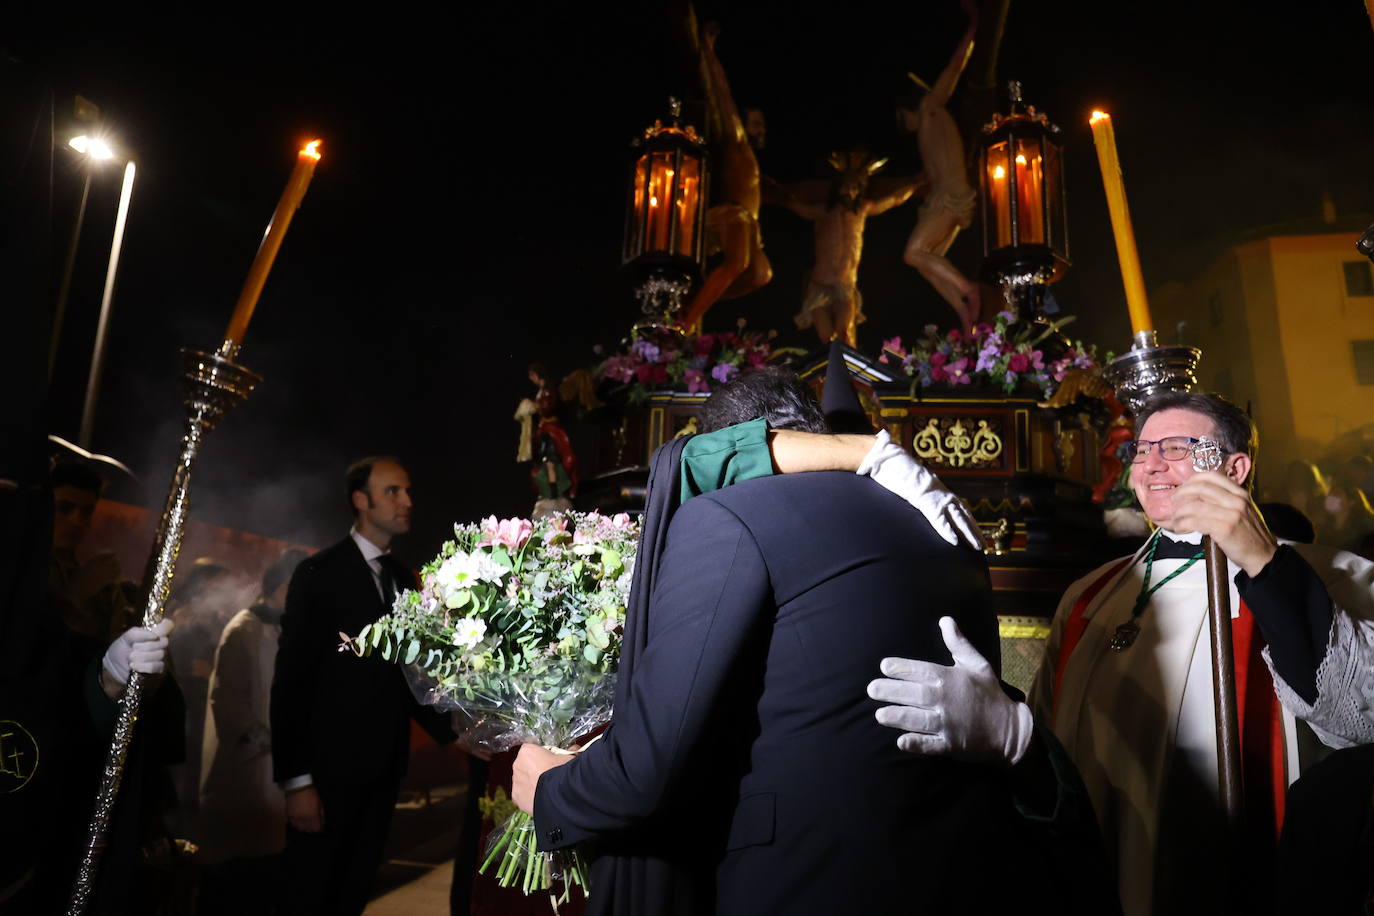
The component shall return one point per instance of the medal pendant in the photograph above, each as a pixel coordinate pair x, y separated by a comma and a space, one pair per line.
1124, 636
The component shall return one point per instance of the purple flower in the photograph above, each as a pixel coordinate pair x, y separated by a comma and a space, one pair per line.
723, 372
696, 381
958, 372
987, 357
645, 350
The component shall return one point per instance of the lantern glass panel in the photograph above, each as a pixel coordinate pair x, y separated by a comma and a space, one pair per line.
673, 184
996, 180
1030, 189
687, 201
1054, 177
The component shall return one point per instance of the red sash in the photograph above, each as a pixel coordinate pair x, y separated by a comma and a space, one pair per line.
1261, 725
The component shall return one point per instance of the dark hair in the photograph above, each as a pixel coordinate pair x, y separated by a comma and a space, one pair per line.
79, 476
281, 569
777, 395
1235, 431
359, 473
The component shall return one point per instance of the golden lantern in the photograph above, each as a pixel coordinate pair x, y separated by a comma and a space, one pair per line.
1021, 176
665, 221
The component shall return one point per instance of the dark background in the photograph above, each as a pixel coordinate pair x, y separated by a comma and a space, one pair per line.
466, 217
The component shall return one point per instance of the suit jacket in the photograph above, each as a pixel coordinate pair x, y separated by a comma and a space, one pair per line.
747, 754
340, 718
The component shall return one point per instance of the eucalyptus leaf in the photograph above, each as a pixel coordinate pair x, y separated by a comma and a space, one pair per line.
591, 654
412, 651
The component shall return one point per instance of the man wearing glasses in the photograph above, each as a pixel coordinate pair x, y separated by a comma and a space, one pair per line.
1126, 682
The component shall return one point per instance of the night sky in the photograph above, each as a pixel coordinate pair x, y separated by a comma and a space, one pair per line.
466, 217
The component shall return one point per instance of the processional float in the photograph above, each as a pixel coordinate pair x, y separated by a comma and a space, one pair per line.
212, 385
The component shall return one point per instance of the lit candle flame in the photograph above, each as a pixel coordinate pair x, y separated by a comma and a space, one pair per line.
998, 172
1020, 160
312, 149
1099, 116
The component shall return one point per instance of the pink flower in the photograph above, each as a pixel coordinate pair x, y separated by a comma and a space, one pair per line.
1018, 362
937, 360
893, 346
511, 533
704, 344
956, 334
936, 373
696, 381
958, 372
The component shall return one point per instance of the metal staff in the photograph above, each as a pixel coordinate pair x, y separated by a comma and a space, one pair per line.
212, 385
1139, 373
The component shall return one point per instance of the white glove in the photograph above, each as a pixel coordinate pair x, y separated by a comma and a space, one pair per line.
890, 465
959, 712
139, 649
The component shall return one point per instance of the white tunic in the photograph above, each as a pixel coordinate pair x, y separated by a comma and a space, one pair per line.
243, 812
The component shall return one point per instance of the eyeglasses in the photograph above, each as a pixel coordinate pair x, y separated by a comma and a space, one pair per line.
1171, 448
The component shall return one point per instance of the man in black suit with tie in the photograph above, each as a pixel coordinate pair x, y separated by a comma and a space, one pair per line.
340, 724
744, 771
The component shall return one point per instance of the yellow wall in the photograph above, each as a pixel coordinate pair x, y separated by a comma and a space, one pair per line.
1275, 325
1317, 322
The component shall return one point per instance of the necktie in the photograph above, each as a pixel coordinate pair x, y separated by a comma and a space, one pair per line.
393, 575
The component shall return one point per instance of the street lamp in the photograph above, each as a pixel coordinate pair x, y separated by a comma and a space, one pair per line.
93, 150
96, 149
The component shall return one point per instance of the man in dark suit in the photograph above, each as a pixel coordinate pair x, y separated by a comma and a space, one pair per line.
340, 724
747, 761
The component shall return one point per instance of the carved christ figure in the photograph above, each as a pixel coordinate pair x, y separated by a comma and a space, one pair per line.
733, 224
832, 304
949, 205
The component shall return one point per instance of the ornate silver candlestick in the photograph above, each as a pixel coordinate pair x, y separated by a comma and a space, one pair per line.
1148, 369
212, 385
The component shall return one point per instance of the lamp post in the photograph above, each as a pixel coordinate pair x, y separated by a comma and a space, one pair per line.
665, 226
1021, 177
102, 326
93, 151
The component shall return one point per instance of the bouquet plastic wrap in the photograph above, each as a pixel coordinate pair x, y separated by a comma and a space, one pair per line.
517, 627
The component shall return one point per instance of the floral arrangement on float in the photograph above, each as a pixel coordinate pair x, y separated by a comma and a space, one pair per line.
662, 358
1006, 354
517, 626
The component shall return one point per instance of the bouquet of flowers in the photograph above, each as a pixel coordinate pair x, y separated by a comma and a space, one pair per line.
517, 625
1004, 354
659, 358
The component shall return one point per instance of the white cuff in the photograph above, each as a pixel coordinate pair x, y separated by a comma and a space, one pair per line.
298, 782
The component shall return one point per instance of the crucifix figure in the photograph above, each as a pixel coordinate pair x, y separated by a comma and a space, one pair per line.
949, 205
733, 224
832, 303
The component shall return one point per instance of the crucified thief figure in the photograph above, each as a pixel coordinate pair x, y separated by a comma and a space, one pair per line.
949, 205
832, 303
733, 224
